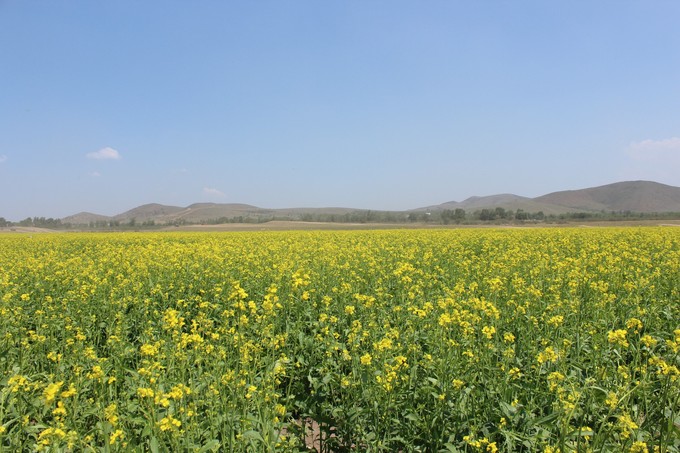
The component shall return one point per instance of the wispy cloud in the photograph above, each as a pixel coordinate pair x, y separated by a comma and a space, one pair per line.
213, 192
657, 160
95, 174
3, 158
104, 153
654, 149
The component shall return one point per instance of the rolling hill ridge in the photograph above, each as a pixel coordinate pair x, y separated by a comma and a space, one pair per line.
633, 196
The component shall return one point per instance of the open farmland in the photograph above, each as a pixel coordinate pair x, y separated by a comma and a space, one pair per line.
427, 340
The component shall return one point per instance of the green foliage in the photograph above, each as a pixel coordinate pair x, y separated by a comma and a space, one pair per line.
428, 340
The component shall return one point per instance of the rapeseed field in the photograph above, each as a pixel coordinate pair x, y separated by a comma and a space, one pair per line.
552, 340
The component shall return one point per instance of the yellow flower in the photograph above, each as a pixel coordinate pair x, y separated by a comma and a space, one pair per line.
635, 324
547, 355
648, 341
117, 434
618, 337
383, 344
60, 410
488, 331
144, 392
638, 447
445, 319
51, 391
169, 423
17, 383
148, 350
161, 400
612, 400
626, 425
172, 320
554, 379
508, 337
50, 434
514, 373
366, 359
96, 373
556, 321
110, 414
178, 392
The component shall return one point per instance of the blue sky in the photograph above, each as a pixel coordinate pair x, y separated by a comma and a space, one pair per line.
369, 104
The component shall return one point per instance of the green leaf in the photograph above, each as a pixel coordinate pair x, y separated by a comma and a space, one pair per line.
251, 434
508, 410
412, 417
542, 420
450, 447
153, 444
212, 445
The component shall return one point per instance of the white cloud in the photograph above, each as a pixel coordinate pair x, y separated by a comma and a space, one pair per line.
95, 174
213, 192
3, 158
656, 160
654, 149
104, 153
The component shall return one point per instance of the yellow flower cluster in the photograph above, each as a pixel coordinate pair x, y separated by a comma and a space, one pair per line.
408, 340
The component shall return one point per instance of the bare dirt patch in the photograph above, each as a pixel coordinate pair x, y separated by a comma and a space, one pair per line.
281, 225
19, 229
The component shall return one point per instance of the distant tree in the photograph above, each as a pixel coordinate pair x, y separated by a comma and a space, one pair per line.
486, 214
447, 216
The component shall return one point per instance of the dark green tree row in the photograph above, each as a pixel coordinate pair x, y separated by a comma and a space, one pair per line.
444, 217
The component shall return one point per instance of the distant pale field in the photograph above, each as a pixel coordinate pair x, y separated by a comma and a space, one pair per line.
289, 225
470, 340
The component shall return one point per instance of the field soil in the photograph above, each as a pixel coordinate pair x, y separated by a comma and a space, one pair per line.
19, 229
283, 225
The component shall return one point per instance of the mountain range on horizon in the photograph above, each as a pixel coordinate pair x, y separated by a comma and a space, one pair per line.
633, 196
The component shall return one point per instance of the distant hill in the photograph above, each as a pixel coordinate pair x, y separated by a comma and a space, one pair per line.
205, 212
506, 201
84, 218
633, 196
153, 211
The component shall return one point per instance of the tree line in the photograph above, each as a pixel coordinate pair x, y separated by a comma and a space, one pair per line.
456, 216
